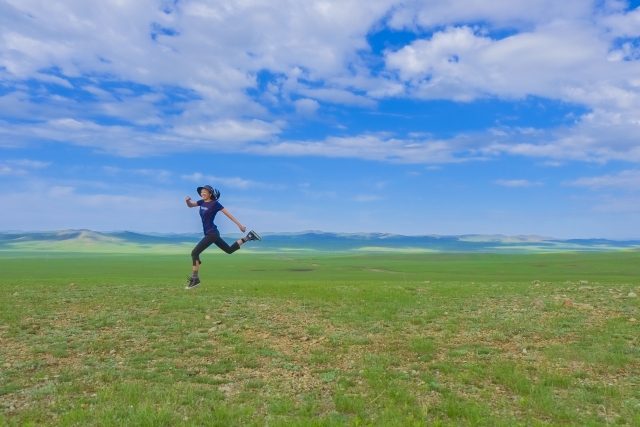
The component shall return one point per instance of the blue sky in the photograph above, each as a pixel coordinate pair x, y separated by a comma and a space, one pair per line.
438, 117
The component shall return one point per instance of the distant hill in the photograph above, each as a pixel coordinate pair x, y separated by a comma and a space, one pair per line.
127, 241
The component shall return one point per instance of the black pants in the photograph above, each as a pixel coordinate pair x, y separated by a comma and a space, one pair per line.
207, 241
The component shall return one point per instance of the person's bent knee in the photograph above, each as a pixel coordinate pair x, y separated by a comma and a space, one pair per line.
233, 248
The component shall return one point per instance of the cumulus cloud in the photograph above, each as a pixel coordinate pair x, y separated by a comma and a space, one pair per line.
151, 76
306, 106
201, 46
566, 61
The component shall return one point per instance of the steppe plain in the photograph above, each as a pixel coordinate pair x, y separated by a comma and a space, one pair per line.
320, 339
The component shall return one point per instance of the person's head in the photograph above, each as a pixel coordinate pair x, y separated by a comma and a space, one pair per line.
205, 194
208, 193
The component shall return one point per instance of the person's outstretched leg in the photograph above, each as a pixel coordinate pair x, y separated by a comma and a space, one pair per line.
225, 247
195, 258
236, 245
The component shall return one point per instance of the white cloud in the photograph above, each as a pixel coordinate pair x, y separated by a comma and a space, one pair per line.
200, 45
515, 183
627, 180
67, 207
159, 175
234, 182
434, 67
20, 166
60, 191
230, 130
32, 164
112, 170
70, 208
306, 106
305, 188
617, 204
552, 164
199, 66
366, 198
100, 93
52, 79
338, 96
566, 60
6, 170
131, 142
593, 139
520, 14
623, 24
599, 136
374, 147
320, 194
560, 60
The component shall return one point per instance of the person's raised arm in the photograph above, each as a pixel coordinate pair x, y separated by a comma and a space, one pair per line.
190, 203
240, 226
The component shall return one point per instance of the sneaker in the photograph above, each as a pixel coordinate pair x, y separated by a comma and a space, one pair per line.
193, 282
253, 236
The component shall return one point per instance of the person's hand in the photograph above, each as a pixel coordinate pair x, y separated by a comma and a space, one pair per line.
243, 228
188, 198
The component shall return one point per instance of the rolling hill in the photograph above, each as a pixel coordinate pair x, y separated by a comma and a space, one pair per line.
127, 241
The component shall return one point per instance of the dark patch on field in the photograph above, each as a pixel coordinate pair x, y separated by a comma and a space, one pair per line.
375, 269
381, 270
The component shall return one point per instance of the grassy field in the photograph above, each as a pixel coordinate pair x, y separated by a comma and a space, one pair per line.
321, 340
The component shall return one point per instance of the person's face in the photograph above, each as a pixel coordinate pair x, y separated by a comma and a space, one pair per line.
205, 194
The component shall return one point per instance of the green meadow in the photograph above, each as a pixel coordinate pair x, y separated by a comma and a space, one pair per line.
380, 339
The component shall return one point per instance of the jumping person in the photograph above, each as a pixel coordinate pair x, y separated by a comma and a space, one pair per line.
209, 207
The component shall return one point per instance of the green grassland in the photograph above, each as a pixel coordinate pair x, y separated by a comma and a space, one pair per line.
383, 339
